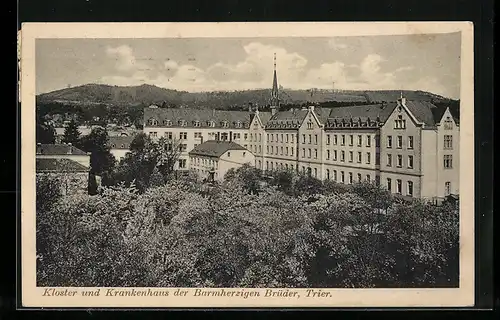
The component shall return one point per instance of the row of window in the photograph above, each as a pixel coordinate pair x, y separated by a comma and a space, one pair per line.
399, 161
399, 142
399, 187
197, 135
204, 162
359, 156
196, 123
359, 140
350, 176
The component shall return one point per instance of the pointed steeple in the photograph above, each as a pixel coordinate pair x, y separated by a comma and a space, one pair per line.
274, 91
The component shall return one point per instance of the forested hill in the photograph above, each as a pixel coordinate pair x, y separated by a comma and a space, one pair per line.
92, 94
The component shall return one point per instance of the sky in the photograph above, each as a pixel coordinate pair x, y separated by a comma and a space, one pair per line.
410, 62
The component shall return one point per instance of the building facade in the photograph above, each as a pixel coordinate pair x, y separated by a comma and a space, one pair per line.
212, 159
72, 176
119, 146
189, 128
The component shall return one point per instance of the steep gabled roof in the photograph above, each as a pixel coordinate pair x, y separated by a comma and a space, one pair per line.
264, 117
201, 115
213, 148
59, 166
58, 149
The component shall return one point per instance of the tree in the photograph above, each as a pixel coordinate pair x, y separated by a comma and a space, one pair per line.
92, 185
71, 133
101, 159
45, 133
156, 178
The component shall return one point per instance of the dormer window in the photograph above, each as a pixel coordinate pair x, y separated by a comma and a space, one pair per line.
153, 122
448, 123
123, 146
400, 123
238, 124
224, 124
196, 123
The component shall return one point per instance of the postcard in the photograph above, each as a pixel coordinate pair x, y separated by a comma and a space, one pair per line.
252, 165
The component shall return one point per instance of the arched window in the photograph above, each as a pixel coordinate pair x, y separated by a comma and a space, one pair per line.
153, 122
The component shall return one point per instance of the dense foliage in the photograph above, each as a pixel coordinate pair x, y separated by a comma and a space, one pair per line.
251, 230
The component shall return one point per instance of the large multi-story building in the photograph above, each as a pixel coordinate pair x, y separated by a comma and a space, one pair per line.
191, 127
411, 147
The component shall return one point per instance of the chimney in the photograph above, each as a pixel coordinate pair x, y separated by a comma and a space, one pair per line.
70, 149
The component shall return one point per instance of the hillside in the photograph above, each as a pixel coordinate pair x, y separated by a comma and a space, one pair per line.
92, 94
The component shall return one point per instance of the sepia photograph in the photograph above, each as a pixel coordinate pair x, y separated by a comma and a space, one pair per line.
249, 166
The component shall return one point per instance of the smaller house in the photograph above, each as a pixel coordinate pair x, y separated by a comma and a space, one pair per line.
212, 159
120, 146
62, 151
72, 176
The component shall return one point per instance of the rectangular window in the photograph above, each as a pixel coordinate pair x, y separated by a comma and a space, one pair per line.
410, 142
291, 151
335, 139
315, 172
343, 140
315, 139
281, 151
409, 188
303, 152
286, 151
328, 154
389, 160
328, 139
389, 184
272, 149
400, 161
182, 163
410, 162
342, 156
287, 137
327, 174
447, 188
389, 141
398, 186
350, 156
368, 158
351, 140
308, 153
400, 142
359, 177
360, 140
335, 175
282, 137
260, 136
368, 178
448, 124
334, 155
350, 177
310, 139
448, 142
368, 141
168, 135
303, 138
448, 161
342, 178
267, 149
291, 139
359, 157
315, 153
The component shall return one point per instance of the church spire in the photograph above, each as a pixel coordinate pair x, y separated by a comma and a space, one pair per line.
274, 91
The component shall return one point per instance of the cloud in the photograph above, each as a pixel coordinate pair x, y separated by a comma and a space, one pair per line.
171, 65
255, 71
124, 57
